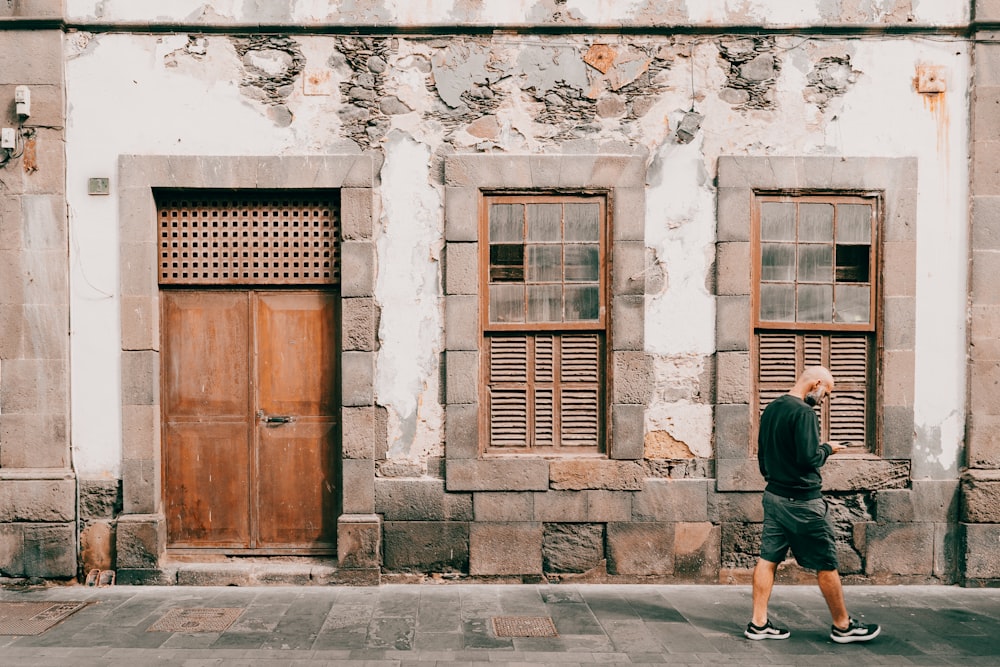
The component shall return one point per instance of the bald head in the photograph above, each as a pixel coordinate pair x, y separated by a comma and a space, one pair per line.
815, 380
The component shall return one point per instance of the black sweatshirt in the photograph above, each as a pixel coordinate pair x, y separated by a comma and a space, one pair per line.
788, 449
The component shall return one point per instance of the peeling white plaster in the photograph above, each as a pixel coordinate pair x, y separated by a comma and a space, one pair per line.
690, 423
408, 291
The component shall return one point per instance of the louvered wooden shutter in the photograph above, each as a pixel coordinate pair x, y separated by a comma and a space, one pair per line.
545, 390
782, 356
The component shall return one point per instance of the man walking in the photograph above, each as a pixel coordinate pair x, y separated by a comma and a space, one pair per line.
795, 514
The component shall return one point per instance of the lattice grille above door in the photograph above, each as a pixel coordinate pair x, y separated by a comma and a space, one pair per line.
249, 237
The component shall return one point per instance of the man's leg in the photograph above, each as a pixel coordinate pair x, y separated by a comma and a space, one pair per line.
833, 593
763, 582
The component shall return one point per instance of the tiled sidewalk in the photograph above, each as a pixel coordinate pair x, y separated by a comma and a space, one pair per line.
452, 624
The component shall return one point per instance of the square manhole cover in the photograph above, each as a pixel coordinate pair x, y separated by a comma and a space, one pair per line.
34, 618
524, 626
198, 619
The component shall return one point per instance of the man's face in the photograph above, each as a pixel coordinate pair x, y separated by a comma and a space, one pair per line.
819, 392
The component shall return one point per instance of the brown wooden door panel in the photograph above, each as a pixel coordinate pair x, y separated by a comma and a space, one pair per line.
236, 365
207, 487
205, 353
296, 346
297, 483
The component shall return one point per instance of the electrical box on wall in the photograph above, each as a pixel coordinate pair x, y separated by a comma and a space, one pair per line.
7, 138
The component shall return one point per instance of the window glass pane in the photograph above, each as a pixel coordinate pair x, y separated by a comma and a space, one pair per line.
777, 261
506, 223
544, 263
854, 223
777, 303
545, 303
853, 303
582, 303
777, 221
582, 263
815, 303
506, 303
545, 222
853, 262
506, 263
816, 263
582, 222
815, 222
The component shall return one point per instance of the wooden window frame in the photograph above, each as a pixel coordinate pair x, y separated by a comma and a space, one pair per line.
827, 331
532, 330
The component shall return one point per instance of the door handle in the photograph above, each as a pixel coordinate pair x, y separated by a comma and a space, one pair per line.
276, 419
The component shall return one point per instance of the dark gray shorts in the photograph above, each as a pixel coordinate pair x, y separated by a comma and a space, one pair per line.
802, 525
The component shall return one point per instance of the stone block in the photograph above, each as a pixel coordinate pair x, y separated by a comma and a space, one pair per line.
358, 432
461, 213
44, 224
983, 438
359, 321
640, 548
44, 67
140, 323
357, 378
986, 216
49, 550
426, 546
733, 373
899, 549
140, 486
980, 555
139, 270
505, 548
140, 431
732, 430
697, 549
986, 167
461, 268
356, 214
572, 547
739, 474
11, 224
740, 544
984, 289
732, 262
45, 281
139, 541
628, 324
984, 321
215, 574
458, 506
898, 432
561, 506
357, 269
461, 317
497, 475
899, 273
607, 506
140, 377
33, 441
926, 501
96, 546
578, 474
410, 499
100, 498
544, 170
633, 377
462, 377
672, 500
629, 268
33, 386
630, 213
359, 541
864, 474
735, 507
628, 427
980, 496
37, 500
490, 506
359, 486
900, 322
733, 212
461, 431
947, 545
12, 549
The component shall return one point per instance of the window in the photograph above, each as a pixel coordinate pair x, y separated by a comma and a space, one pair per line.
815, 303
545, 321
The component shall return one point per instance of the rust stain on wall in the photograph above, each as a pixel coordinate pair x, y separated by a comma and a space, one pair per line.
932, 85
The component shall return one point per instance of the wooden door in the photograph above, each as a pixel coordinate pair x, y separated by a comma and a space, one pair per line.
250, 431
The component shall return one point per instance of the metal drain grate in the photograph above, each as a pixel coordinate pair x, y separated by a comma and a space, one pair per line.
199, 619
34, 618
524, 626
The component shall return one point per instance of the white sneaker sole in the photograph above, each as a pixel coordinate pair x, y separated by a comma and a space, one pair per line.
851, 639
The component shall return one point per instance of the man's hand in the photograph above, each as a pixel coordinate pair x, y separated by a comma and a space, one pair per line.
838, 446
